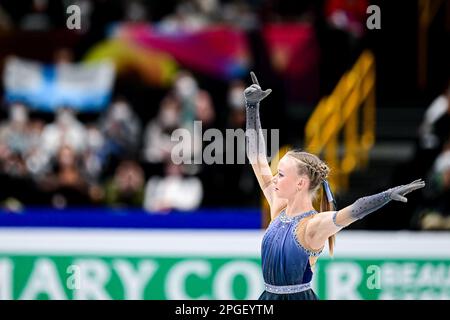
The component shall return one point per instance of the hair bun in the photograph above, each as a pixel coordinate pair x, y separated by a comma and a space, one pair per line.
323, 170
320, 168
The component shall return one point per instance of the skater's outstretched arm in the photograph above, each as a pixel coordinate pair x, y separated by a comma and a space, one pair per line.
325, 224
256, 146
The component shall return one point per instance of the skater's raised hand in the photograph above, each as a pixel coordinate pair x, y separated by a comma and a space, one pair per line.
254, 93
399, 192
256, 144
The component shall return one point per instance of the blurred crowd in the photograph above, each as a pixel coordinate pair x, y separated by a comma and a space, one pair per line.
122, 157
115, 160
42, 15
433, 162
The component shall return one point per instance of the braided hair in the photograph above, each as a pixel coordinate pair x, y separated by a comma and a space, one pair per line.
317, 171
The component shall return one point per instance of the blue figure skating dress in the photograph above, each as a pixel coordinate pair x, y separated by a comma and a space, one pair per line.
285, 261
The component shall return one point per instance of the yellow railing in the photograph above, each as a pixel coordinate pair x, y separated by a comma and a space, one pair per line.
339, 114
427, 10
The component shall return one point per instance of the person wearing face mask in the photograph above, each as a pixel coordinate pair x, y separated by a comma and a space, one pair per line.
121, 128
186, 89
14, 133
157, 136
196, 104
18, 138
66, 130
94, 158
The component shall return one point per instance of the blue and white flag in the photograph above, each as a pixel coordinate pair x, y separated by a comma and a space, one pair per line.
84, 87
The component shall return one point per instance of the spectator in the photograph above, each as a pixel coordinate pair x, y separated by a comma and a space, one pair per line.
204, 109
436, 214
135, 11
185, 104
121, 128
67, 184
66, 130
157, 137
347, 15
126, 188
63, 56
38, 18
14, 132
173, 191
195, 102
240, 14
188, 16
14, 166
430, 132
95, 156
5, 20
37, 160
19, 139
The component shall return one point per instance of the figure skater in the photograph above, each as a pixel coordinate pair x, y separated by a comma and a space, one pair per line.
297, 233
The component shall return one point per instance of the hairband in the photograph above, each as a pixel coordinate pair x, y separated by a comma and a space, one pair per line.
327, 189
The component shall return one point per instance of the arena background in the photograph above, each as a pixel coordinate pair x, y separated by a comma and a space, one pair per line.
92, 206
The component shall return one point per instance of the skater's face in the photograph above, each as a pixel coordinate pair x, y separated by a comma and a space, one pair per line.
288, 183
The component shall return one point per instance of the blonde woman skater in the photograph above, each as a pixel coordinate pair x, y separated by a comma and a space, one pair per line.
297, 233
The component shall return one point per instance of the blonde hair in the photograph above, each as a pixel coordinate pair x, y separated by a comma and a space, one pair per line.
317, 171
